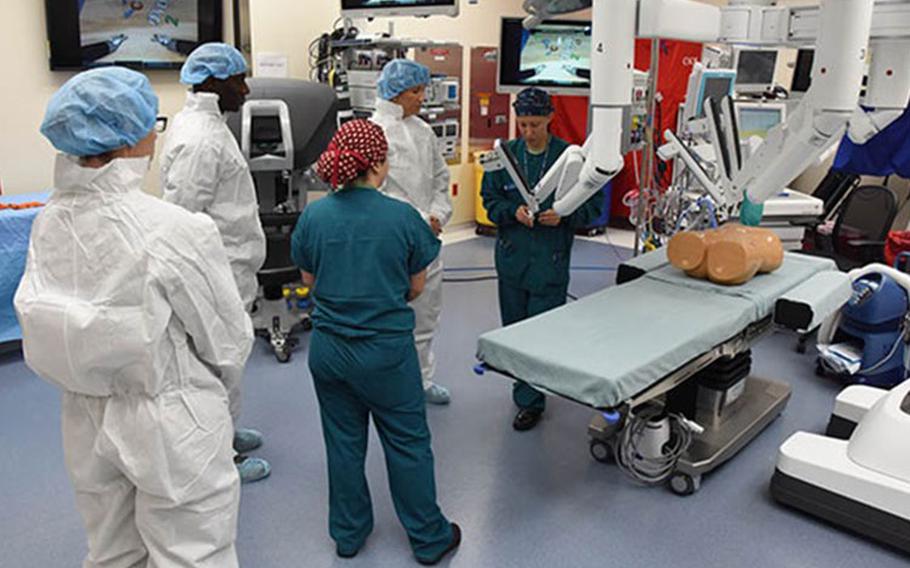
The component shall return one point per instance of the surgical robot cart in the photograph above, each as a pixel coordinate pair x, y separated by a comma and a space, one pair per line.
283, 128
844, 34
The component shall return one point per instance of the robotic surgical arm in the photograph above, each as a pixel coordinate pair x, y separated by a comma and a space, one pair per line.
841, 31
888, 91
824, 113
583, 171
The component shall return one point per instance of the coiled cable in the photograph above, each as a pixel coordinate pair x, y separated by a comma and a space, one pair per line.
652, 470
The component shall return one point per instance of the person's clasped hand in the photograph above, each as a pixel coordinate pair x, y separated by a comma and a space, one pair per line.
523, 216
549, 218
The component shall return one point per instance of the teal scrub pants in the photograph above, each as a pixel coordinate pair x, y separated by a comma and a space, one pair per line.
380, 376
516, 304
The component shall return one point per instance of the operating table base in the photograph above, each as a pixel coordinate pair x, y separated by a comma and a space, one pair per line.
762, 402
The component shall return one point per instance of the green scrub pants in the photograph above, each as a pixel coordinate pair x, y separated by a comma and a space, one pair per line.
380, 376
517, 304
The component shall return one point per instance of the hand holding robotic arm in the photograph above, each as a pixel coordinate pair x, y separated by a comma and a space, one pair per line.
590, 167
583, 171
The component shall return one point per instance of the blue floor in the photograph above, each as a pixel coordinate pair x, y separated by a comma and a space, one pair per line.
523, 499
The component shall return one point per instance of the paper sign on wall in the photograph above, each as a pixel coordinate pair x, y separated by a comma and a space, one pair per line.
273, 65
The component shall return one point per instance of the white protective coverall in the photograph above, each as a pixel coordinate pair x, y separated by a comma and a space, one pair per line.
129, 306
203, 170
419, 175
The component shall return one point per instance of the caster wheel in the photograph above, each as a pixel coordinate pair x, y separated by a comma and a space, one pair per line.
819, 370
283, 356
684, 484
601, 451
801, 348
307, 324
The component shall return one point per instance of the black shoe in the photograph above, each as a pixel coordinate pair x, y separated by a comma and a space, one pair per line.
456, 540
526, 419
346, 553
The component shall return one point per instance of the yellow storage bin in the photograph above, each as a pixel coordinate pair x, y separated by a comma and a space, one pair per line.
480, 214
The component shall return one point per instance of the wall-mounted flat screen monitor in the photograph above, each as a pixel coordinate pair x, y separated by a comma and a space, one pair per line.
145, 34
384, 8
555, 55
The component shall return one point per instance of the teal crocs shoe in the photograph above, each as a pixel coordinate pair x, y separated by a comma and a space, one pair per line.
437, 394
252, 469
246, 440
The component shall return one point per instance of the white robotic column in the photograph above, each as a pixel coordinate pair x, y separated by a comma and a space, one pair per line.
823, 114
888, 91
889, 75
612, 58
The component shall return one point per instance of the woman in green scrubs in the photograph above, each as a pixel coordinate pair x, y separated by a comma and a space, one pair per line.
532, 253
365, 256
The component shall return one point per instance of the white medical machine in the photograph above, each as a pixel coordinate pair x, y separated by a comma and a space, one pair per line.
857, 475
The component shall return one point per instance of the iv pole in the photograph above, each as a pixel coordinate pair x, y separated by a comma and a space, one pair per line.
647, 163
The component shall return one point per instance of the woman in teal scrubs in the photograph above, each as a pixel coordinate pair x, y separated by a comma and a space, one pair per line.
365, 256
532, 253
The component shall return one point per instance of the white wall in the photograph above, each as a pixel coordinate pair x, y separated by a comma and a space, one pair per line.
26, 158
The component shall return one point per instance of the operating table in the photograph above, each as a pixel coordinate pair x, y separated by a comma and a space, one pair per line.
638, 341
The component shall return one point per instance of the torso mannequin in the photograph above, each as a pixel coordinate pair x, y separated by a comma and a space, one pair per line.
730, 255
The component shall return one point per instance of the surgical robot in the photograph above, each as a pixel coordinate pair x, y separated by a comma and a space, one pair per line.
843, 31
282, 129
871, 472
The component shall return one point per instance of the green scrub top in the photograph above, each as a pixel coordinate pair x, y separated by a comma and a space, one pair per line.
362, 247
535, 259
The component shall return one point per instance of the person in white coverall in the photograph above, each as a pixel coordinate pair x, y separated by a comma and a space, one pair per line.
128, 305
418, 174
204, 171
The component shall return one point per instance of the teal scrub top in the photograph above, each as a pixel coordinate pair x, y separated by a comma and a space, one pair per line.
362, 247
535, 259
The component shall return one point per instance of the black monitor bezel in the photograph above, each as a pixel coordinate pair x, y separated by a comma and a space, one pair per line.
62, 17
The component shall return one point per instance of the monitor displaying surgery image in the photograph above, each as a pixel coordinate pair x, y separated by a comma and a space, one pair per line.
555, 54
136, 33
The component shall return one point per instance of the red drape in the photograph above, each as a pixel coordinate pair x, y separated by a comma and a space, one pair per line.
675, 64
